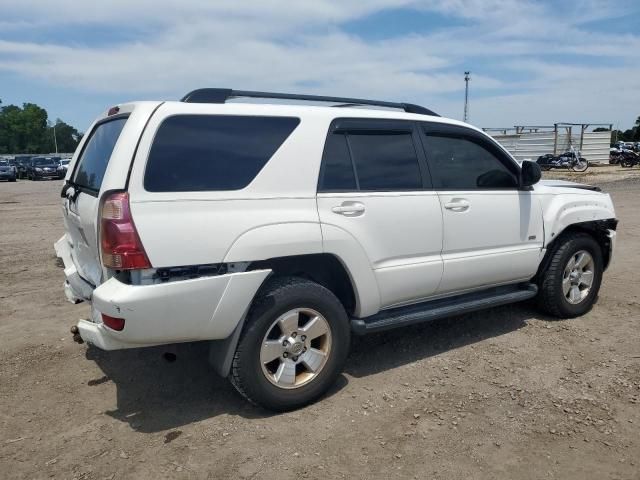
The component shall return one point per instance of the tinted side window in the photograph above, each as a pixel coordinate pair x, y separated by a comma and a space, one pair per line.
97, 151
385, 161
461, 163
213, 152
337, 170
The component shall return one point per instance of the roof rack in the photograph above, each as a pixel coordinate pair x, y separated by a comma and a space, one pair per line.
221, 95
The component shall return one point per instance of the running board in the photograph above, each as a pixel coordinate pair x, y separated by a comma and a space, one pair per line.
442, 308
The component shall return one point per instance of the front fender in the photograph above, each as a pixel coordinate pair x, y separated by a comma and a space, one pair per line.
563, 210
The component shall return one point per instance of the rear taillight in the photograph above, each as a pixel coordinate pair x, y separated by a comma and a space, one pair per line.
121, 245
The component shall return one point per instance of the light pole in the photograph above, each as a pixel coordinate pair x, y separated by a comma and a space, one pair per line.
466, 95
55, 139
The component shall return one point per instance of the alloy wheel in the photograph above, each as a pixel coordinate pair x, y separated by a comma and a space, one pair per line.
578, 276
296, 348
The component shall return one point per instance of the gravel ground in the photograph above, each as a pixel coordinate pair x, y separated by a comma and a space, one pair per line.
505, 393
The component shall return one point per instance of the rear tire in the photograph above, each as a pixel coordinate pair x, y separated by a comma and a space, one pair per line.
564, 292
284, 311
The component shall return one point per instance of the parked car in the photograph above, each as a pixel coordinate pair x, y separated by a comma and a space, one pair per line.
288, 228
620, 145
7, 171
22, 165
43, 167
63, 166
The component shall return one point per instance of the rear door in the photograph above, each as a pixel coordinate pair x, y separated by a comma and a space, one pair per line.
81, 202
374, 185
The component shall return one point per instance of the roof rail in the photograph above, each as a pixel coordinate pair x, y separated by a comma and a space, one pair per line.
221, 95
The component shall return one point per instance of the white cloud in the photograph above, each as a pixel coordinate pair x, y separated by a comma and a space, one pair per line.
303, 46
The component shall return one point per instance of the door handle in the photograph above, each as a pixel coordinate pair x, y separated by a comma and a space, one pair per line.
349, 208
457, 205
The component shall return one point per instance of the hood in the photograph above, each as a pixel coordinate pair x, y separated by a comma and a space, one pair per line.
6, 168
567, 184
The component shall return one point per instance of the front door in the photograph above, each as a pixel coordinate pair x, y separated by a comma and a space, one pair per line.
493, 231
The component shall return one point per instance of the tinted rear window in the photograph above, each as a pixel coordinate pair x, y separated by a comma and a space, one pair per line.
96, 153
213, 152
386, 161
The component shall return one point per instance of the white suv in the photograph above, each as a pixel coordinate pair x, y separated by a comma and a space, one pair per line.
276, 231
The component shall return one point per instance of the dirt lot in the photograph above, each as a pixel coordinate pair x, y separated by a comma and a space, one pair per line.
505, 393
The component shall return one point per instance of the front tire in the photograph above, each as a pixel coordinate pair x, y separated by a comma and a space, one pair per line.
569, 286
294, 345
581, 165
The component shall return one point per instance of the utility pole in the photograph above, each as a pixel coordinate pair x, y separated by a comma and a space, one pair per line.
466, 95
55, 139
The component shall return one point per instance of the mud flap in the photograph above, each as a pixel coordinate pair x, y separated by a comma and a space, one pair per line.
221, 351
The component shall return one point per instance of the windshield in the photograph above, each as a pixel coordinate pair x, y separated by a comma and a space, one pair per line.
4, 163
44, 162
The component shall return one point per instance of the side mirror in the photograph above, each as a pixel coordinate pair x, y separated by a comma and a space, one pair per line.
530, 174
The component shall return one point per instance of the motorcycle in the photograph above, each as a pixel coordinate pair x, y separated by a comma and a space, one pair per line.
615, 155
570, 160
629, 158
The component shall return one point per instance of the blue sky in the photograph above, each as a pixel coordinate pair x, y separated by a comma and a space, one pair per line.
532, 62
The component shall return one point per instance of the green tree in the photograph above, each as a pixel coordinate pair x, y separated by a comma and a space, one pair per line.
12, 131
27, 130
34, 128
65, 135
628, 135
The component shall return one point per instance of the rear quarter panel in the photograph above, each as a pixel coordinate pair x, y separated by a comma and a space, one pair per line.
275, 215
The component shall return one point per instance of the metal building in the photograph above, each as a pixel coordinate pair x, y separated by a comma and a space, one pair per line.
531, 141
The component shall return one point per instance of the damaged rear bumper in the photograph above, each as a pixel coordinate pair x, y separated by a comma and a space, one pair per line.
205, 308
76, 288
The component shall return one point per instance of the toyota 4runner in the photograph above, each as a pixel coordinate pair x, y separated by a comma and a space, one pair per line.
276, 231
